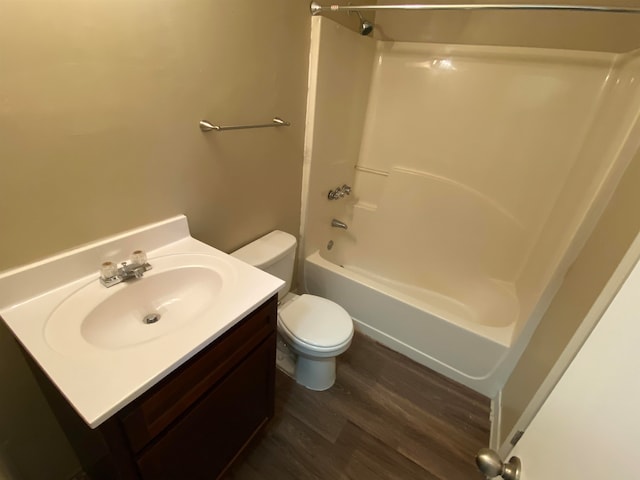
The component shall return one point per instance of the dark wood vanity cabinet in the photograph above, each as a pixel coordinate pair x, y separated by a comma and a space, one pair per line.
195, 422
211, 434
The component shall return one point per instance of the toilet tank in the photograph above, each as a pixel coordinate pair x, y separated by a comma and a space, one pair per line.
274, 253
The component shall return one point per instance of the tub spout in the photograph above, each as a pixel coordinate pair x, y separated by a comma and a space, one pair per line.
338, 224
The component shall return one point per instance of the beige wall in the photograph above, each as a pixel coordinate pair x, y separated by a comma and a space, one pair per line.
586, 278
100, 105
99, 110
32, 446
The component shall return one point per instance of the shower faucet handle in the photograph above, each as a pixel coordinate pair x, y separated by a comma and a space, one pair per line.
339, 192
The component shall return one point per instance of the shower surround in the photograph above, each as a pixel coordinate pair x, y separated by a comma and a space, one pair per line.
477, 174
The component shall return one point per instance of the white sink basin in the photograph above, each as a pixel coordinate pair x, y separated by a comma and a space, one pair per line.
92, 341
179, 290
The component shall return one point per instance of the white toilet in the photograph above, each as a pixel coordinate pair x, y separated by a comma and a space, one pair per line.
316, 330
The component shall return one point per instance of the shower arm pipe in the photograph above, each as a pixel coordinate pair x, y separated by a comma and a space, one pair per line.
317, 9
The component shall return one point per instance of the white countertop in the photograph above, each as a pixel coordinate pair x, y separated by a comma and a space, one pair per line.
100, 381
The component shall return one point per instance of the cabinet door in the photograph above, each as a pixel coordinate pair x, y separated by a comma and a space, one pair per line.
203, 443
156, 410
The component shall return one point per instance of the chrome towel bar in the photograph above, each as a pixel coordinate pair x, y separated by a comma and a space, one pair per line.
207, 126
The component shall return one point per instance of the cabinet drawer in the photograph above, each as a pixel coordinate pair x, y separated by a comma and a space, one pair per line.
155, 410
210, 436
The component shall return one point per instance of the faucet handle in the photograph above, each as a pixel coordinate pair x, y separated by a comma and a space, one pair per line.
339, 192
108, 270
138, 257
333, 194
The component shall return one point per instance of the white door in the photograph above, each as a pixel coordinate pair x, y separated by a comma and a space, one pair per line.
589, 426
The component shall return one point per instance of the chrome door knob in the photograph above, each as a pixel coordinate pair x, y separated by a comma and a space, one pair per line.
490, 463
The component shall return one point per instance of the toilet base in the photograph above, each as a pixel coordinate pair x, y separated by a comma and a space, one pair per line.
316, 373
285, 358
313, 373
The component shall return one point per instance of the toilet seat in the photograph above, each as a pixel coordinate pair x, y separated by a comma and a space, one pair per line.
316, 323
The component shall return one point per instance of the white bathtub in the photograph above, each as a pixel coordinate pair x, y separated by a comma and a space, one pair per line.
439, 332
470, 221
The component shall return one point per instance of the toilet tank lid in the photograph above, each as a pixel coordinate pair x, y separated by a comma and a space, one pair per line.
266, 250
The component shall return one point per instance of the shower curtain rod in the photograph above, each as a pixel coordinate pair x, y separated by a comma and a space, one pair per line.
317, 9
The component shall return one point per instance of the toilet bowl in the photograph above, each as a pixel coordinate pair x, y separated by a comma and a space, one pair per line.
315, 329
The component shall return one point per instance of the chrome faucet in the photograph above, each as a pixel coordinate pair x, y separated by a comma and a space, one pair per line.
338, 224
111, 275
339, 192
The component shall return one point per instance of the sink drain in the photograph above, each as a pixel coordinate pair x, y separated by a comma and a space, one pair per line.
151, 318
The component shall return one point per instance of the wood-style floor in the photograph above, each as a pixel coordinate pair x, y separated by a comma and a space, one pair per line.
385, 418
